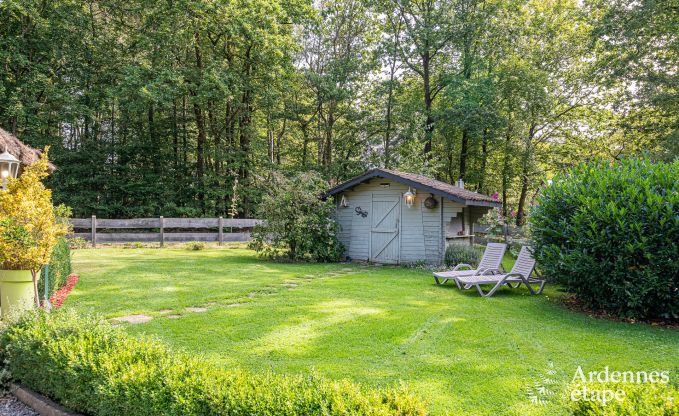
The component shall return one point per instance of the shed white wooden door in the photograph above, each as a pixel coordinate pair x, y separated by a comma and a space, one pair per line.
385, 229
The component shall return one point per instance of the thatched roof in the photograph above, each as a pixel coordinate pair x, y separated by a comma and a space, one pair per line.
25, 153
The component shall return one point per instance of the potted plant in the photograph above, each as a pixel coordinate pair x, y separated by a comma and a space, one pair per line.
29, 229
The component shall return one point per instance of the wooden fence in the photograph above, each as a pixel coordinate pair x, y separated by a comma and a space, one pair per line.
126, 231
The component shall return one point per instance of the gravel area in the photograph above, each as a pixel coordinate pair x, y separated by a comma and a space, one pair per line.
11, 406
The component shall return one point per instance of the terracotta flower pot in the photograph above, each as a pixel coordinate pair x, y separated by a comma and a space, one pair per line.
16, 291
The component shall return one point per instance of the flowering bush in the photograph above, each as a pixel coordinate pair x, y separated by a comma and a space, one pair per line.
298, 225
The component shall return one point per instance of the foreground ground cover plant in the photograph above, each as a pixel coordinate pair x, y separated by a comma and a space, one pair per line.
98, 369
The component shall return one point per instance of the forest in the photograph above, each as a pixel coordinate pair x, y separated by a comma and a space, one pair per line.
188, 107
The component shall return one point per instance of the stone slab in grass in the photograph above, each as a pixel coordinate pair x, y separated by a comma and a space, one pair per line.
199, 310
133, 319
165, 311
173, 316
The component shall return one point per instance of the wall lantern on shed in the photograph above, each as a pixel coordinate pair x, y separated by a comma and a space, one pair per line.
409, 197
9, 167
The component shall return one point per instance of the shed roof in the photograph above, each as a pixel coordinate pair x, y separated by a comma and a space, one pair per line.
421, 183
25, 153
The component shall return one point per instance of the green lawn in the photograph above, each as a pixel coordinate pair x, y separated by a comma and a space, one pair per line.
376, 325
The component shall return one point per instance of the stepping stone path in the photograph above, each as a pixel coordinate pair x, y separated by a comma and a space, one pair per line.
133, 319
269, 290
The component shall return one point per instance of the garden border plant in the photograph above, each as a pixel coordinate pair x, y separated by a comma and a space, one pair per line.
93, 367
30, 227
609, 232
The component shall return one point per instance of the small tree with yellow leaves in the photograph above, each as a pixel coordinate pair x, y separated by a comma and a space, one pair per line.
29, 226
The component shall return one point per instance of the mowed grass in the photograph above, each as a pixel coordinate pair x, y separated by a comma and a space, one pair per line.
376, 325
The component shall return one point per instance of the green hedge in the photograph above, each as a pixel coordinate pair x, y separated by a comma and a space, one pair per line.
97, 369
609, 233
60, 268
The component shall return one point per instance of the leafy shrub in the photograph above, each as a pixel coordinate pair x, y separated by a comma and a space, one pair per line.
298, 225
133, 245
77, 243
60, 268
609, 233
97, 369
29, 223
195, 246
649, 399
462, 253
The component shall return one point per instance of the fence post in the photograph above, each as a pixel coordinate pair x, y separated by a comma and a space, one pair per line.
162, 231
94, 230
221, 230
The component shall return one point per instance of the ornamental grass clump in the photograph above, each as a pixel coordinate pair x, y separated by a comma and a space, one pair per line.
95, 368
609, 233
29, 223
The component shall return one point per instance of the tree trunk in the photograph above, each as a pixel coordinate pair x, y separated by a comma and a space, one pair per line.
36, 296
327, 148
484, 160
463, 154
200, 141
390, 104
525, 170
305, 145
429, 122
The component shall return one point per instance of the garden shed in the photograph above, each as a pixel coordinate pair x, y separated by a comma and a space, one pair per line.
395, 217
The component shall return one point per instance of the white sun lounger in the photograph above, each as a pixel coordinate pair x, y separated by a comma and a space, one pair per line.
520, 273
491, 260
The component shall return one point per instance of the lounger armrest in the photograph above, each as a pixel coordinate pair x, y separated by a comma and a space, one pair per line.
515, 275
459, 266
486, 272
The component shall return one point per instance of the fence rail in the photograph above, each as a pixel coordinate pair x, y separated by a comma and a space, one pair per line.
161, 236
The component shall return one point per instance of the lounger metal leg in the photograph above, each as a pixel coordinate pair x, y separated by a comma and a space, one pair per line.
492, 291
530, 288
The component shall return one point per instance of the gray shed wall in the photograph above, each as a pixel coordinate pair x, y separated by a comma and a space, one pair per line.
422, 230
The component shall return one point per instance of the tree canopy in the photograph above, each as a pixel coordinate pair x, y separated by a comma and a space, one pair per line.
189, 108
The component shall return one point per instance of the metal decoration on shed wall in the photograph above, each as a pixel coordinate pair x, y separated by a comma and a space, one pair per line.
431, 202
361, 212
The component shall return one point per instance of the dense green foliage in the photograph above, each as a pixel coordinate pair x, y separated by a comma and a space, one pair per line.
95, 368
609, 233
462, 253
184, 109
59, 268
648, 399
298, 225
